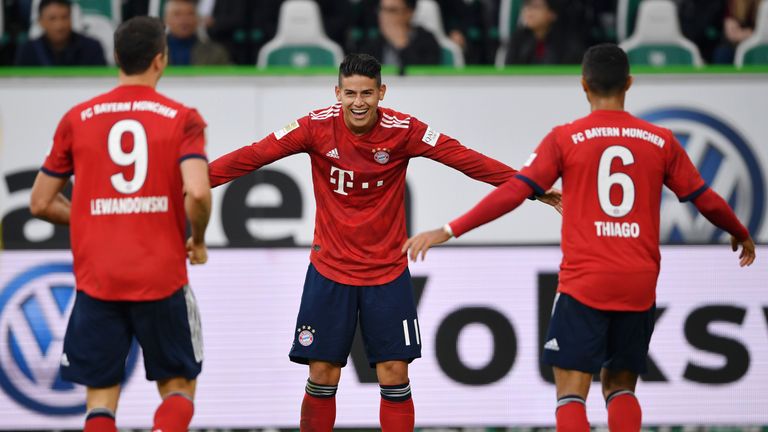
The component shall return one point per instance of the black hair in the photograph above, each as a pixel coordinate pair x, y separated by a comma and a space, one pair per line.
360, 64
45, 3
605, 68
410, 4
137, 42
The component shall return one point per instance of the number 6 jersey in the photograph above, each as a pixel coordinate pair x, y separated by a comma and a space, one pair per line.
127, 218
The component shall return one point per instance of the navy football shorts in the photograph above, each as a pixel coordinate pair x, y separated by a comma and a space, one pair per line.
328, 318
587, 339
100, 333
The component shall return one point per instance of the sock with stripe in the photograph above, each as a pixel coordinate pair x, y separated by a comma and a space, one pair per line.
624, 413
318, 410
396, 412
174, 414
100, 420
571, 414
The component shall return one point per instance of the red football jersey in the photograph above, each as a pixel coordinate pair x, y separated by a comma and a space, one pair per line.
613, 167
127, 218
359, 184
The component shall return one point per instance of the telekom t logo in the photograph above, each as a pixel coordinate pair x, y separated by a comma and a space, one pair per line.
343, 181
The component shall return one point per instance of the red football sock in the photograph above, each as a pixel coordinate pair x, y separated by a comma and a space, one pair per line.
174, 414
397, 416
100, 424
318, 414
571, 415
624, 413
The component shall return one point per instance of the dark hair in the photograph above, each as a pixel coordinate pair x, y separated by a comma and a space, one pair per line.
360, 64
606, 69
45, 3
137, 42
410, 4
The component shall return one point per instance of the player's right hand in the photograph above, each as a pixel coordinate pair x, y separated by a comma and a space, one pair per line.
196, 252
747, 256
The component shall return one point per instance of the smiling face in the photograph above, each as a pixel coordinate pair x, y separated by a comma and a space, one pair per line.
359, 96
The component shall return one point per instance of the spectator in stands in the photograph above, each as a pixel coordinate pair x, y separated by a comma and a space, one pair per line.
400, 42
184, 45
701, 22
541, 40
738, 25
244, 26
59, 45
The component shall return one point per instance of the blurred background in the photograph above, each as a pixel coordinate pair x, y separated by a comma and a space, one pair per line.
495, 74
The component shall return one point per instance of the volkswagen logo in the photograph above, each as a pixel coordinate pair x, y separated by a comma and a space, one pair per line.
725, 161
34, 310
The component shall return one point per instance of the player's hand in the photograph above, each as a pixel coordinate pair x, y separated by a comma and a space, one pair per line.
420, 243
196, 252
554, 198
747, 256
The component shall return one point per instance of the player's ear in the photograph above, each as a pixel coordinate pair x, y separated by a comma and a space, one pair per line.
382, 90
584, 85
338, 93
630, 81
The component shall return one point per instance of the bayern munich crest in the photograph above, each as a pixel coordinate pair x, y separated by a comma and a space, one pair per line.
381, 155
306, 335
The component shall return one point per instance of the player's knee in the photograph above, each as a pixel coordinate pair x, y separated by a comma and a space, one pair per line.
392, 372
177, 385
615, 381
324, 373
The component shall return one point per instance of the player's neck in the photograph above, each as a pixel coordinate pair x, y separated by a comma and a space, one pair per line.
145, 79
607, 104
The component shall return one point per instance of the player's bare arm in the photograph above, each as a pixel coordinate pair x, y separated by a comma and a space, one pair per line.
47, 202
197, 203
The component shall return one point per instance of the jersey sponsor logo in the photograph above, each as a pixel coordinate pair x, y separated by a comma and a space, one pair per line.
34, 310
306, 335
726, 162
381, 155
431, 136
333, 153
287, 129
343, 180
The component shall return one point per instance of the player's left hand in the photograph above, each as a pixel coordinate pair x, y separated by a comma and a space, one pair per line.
420, 243
554, 198
197, 253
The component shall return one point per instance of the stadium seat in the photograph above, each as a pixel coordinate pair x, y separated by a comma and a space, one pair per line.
300, 40
427, 15
754, 50
103, 30
509, 18
657, 40
626, 15
156, 8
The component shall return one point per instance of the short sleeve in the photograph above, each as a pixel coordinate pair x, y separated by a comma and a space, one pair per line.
681, 176
59, 162
193, 137
544, 165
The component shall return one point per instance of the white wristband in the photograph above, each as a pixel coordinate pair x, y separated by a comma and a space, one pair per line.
447, 229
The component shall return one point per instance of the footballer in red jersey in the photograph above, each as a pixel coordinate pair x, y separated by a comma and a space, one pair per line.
359, 153
140, 167
613, 167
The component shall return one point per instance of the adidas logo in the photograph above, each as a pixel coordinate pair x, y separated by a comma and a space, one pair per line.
333, 153
552, 345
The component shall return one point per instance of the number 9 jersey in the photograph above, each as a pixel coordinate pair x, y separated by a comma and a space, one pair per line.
127, 220
613, 167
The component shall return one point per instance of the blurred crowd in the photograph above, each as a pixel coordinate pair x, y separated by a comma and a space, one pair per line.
211, 32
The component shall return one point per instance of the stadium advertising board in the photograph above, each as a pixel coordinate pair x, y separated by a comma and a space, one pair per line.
482, 312
719, 120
